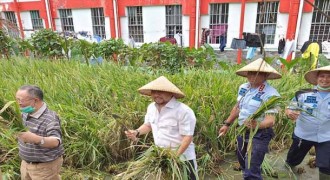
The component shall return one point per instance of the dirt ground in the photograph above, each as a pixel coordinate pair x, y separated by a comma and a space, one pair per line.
277, 161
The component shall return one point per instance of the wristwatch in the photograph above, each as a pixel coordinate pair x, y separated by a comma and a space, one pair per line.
42, 141
227, 124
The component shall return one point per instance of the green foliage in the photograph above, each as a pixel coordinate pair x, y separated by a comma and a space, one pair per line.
47, 44
109, 49
6, 44
96, 103
25, 46
85, 48
156, 163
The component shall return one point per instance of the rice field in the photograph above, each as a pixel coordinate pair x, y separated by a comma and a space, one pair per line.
97, 102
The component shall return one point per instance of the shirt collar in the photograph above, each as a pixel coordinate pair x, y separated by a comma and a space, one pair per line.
262, 87
38, 113
171, 103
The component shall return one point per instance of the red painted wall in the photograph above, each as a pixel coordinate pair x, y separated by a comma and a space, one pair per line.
285, 6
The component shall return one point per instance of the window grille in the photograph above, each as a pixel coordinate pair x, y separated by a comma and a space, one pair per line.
12, 27
98, 22
320, 29
66, 20
10, 16
36, 20
218, 22
173, 20
135, 23
266, 20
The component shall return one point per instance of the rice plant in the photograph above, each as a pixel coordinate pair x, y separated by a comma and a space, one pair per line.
97, 103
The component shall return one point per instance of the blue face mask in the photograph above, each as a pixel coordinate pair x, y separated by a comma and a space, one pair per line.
28, 109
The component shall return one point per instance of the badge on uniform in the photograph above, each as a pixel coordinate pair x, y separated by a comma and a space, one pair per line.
257, 97
242, 91
311, 99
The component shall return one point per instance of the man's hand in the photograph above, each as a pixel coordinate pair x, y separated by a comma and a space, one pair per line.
292, 114
223, 130
28, 137
131, 134
251, 123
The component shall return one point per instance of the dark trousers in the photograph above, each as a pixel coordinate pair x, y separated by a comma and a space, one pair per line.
260, 144
300, 147
191, 170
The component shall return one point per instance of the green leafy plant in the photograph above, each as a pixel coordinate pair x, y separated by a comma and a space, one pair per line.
47, 44
6, 44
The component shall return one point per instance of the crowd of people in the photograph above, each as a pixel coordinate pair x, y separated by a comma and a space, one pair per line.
172, 124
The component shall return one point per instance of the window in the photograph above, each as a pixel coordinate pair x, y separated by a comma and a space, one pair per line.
66, 20
266, 20
10, 16
320, 29
98, 22
10, 25
135, 23
218, 22
173, 20
36, 20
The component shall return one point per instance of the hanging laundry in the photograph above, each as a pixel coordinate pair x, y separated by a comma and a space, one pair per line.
254, 40
238, 43
289, 47
250, 53
167, 39
307, 43
281, 45
205, 33
131, 42
218, 30
223, 42
313, 49
178, 38
326, 48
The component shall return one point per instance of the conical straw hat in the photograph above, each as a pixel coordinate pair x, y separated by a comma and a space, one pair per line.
259, 65
311, 76
161, 84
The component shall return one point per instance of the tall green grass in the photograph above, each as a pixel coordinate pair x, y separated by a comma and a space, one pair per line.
96, 104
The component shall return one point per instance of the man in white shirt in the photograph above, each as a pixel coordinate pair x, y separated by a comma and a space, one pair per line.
172, 123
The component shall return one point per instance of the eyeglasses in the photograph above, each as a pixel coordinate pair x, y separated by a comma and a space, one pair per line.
23, 100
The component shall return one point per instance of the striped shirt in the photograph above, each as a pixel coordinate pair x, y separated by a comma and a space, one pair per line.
46, 123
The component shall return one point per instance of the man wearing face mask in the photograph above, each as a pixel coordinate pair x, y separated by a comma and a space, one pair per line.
40, 146
310, 110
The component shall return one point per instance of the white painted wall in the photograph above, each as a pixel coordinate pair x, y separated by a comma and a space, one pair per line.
27, 0
234, 16
82, 20
153, 23
124, 28
250, 17
185, 30
58, 25
6, 1
305, 27
26, 23
26, 20
249, 23
107, 27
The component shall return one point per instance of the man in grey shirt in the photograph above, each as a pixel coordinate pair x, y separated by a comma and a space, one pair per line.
40, 146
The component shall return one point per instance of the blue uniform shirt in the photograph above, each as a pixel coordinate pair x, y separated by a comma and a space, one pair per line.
251, 99
313, 123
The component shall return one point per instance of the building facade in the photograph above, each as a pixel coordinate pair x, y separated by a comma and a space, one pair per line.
195, 21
